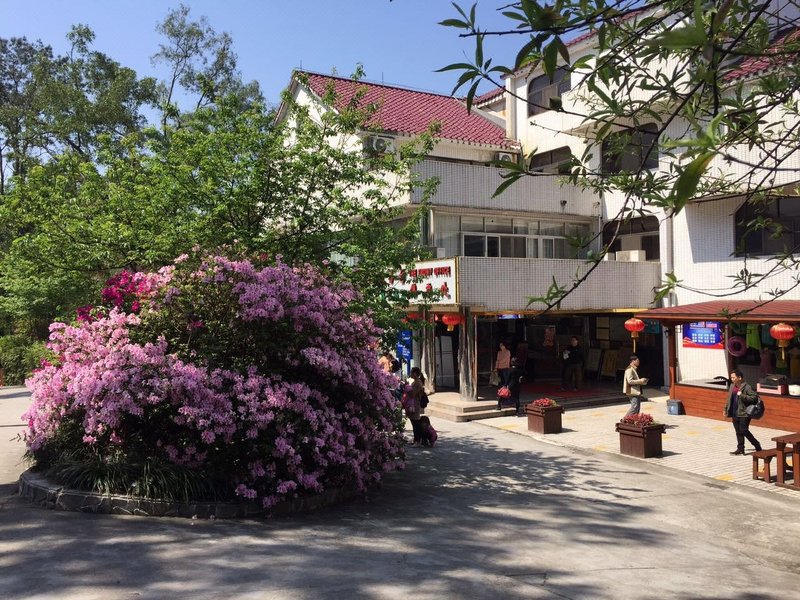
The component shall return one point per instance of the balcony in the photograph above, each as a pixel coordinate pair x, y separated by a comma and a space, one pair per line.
505, 284
472, 186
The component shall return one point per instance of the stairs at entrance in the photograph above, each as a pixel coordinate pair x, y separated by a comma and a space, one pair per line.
450, 405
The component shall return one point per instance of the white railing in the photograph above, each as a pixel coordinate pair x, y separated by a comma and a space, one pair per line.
506, 284
472, 186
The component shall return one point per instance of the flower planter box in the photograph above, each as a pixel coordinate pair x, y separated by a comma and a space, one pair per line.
642, 442
544, 419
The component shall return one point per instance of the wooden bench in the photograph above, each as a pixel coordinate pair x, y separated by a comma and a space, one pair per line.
766, 456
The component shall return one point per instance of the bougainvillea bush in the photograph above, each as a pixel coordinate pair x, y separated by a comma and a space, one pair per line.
256, 376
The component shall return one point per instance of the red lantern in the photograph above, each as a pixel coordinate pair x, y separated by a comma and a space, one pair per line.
451, 320
783, 333
634, 325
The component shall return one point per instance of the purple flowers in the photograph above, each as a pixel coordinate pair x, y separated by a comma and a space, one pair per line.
280, 394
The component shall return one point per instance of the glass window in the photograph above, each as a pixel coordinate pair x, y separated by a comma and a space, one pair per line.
542, 90
778, 228
492, 245
499, 225
522, 227
650, 247
533, 248
444, 222
546, 228
554, 161
629, 150
471, 223
548, 251
474, 245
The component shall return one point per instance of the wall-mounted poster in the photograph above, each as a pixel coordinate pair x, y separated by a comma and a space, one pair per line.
609, 368
703, 334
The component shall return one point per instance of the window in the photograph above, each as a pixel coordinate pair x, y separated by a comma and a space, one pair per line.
640, 233
541, 91
768, 228
628, 151
555, 162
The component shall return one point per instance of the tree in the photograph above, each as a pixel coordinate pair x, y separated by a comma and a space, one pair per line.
51, 104
723, 75
202, 64
230, 176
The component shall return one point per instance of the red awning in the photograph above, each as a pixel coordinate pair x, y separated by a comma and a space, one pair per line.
757, 311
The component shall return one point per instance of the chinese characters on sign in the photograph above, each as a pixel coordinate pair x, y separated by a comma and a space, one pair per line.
702, 334
430, 276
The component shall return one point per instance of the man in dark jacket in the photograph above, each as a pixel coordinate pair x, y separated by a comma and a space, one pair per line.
741, 394
573, 365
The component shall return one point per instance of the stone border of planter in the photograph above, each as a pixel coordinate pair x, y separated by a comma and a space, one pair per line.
37, 490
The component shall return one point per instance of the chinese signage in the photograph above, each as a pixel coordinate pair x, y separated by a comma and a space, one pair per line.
702, 334
430, 276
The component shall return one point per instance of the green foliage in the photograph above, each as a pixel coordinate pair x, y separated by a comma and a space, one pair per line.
19, 356
670, 63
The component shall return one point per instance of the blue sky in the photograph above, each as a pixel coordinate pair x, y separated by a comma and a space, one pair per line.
398, 42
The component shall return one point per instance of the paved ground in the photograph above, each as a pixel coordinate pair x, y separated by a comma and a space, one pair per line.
488, 513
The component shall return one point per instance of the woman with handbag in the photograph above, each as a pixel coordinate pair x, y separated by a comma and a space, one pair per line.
740, 396
503, 364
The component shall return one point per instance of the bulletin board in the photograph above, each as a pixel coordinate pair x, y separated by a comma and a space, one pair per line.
609, 368
593, 357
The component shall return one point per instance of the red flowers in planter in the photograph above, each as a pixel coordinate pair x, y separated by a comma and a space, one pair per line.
640, 420
544, 402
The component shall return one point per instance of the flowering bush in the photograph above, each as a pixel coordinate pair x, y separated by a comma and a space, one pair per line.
641, 420
544, 402
256, 376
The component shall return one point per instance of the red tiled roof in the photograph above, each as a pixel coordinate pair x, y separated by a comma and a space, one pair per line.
490, 95
411, 112
756, 64
720, 310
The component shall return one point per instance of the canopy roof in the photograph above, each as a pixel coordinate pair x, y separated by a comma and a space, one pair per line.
722, 310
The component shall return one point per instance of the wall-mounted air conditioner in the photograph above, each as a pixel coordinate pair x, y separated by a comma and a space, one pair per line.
505, 156
631, 256
379, 143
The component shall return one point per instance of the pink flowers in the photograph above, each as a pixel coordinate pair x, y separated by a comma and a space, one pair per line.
543, 402
280, 393
640, 420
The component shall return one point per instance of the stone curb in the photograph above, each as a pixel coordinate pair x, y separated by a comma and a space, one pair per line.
37, 490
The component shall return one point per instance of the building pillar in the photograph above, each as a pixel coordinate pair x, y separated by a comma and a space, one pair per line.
467, 369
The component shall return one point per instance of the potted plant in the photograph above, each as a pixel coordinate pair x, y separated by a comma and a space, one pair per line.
544, 416
640, 436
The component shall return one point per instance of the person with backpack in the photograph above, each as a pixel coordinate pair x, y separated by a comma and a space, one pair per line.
741, 395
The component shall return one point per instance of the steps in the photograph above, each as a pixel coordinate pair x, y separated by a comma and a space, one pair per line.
451, 407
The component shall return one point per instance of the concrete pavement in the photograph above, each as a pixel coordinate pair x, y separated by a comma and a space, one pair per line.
488, 513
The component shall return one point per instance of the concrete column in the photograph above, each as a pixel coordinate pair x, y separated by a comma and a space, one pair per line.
467, 373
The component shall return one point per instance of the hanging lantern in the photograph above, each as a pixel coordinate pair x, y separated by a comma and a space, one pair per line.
451, 320
634, 325
783, 333
412, 316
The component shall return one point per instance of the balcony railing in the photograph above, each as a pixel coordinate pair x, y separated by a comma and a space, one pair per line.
472, 186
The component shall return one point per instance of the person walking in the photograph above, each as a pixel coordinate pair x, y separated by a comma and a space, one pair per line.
414, 412
515, 384
503, 364
740, 395
573, 365
632, 385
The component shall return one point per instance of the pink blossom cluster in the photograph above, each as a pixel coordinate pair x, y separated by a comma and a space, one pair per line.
640, 419
294, 403
544, 402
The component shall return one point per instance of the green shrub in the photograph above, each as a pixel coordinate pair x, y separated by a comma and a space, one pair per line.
19, 356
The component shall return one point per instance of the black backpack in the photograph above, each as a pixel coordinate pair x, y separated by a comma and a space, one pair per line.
423, 401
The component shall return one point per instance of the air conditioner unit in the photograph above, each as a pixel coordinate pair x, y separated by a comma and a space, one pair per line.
379, 144
437, 251
609, 256
505, 156
631, 256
